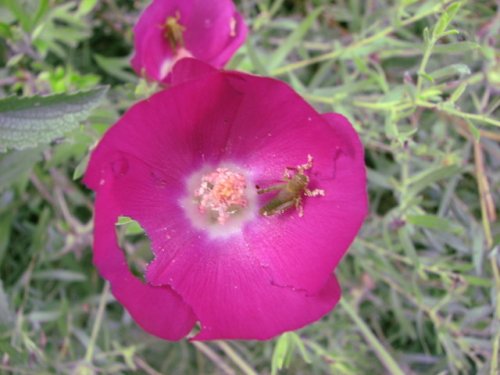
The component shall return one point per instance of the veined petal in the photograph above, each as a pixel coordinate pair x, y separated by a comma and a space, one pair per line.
222, 142
168, 31
158, 310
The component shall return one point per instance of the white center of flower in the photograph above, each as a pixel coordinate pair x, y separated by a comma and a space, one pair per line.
220, 200
221, 194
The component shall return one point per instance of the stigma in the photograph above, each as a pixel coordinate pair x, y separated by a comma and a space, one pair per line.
221, 194
220, 199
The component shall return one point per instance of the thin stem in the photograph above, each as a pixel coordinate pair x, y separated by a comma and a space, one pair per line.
214, 357
487, 211
360, 43
236, 358
455, 112
495, 368
423, 64
89, 355
383, 355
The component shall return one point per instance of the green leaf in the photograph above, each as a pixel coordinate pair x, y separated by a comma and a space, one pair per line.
458, 47
116, 67
434, 222
420, 181
20, 14
5, 224
427, 77
28, 122
132, 227
5, 30
16, 165
81, 167
43, 7
255, 59
451, 70
474, 130
445, 19
5, 312
59, 275
86, 6
281, 352
293, 39
457, 93
300, 345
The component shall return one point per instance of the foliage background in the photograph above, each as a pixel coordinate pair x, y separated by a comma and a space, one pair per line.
420, 81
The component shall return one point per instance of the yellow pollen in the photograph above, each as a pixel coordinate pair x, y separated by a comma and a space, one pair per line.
221, 194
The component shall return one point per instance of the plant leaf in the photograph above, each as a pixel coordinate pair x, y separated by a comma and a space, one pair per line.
28, 122
294, 39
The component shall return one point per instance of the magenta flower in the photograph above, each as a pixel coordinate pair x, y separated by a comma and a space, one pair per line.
169, 30
250, 199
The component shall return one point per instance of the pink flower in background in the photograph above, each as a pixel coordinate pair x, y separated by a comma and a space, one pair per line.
250, 199
169, 30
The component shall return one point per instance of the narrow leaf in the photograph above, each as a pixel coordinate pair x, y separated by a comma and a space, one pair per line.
116, 67
28, 122
428, 177
457, 93
86, 6
16, 165
293, 40
434, 222
5, 312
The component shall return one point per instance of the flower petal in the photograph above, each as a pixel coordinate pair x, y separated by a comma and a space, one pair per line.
158, 310
213, 31
232, 295
187, 126
151, 46
229, 290
278, 265
275, 129
190, 69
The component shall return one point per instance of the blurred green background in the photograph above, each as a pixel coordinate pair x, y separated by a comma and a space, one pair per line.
420, 82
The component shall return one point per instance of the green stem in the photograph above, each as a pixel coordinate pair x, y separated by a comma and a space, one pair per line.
235, 357
389, 363
214, 357
455, 112
89, 355
495, 368
360, 43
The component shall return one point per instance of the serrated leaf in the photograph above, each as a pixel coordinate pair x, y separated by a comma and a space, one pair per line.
28, 122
